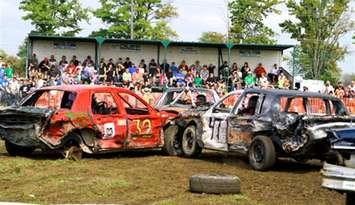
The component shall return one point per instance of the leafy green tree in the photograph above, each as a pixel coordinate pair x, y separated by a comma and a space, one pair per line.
247, 24
150, 19
14, 61
53, 17
319, 25
212, 37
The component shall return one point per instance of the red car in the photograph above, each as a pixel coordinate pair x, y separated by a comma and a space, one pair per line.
76, 119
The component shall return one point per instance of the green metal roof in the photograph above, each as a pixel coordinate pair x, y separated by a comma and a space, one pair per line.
156, 42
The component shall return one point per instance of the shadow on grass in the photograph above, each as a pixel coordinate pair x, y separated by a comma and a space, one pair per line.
281, 165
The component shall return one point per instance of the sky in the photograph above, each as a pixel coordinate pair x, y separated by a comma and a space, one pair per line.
195, 17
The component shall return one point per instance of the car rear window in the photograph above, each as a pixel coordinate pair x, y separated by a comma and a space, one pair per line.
54, 99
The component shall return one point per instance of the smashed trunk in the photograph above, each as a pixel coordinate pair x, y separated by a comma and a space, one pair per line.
23, 126
299, 132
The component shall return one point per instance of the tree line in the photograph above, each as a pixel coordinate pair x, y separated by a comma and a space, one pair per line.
317, 25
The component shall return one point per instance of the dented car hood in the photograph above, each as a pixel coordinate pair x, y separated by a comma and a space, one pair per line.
24, 124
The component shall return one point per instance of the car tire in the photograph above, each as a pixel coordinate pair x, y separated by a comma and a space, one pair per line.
214, 184
190, 147
262, 153
172, 144
73, 152
350, 198
15, 150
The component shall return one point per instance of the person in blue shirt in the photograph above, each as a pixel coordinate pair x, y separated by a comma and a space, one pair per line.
132, 69
2, 75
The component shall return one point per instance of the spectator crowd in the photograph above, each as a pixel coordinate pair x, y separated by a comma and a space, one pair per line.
146, 74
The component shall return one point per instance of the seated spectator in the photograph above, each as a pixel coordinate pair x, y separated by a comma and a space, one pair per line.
259, 71
143, 65
153, 69
137, 77
197, 80
281, 80
249, 80
126, 77
102, 70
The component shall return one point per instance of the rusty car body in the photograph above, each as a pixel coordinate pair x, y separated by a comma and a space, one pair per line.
264, 124
72, 119
178, 103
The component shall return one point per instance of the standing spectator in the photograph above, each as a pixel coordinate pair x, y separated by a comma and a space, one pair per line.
102, 70
223, 70
274, 73
259, 71
132, 69
127, 63
44, 66
110, 74
110, 62
281, 80
34, 60
143, 65
339, 90
2, 74
211, 68
198, 67
183, 66
153, 69
245, 70
204, 73
9, 72
52, 61
328, 88
88, 60
165, 68
74, 61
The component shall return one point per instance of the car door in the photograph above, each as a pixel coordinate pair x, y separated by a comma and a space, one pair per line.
110, 121
144, 123
241, 122
216, 124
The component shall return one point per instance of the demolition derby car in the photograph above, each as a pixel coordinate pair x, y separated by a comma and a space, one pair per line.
263, 124
341, 177
76, 119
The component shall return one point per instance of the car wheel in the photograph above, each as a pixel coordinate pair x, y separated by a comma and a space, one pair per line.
172, 144
214, 184
261, 153
190, 147
15, 150
73, 153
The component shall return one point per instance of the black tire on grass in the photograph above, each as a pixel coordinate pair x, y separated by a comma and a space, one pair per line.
214, 184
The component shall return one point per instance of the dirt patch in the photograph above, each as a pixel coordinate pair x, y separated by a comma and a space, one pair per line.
148, 177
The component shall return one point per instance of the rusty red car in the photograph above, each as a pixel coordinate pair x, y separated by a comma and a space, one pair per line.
82, 118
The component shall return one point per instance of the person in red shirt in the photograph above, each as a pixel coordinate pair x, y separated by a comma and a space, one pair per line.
259, 71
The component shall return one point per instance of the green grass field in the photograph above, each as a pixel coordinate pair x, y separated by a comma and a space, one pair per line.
151, 178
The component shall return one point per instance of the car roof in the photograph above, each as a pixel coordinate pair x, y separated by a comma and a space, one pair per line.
296, 93
82, 88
